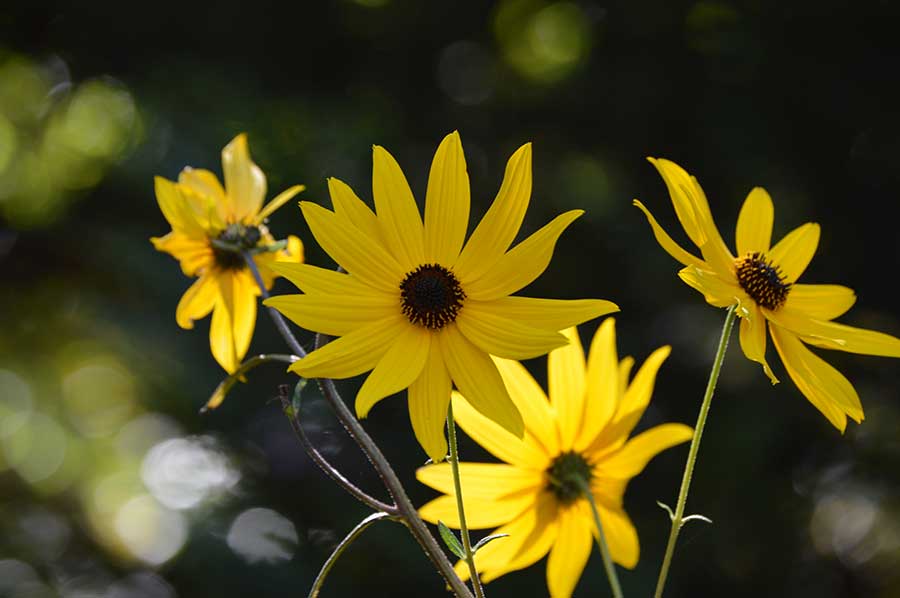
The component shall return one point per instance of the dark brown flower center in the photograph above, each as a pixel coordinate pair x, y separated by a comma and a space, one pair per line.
762, 280
431, 296
240, 237
568, 474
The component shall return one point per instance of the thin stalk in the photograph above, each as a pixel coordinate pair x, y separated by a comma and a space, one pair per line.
340, 548
225, 385
463, 528
329, 469
408, 513
601, 542
678, 517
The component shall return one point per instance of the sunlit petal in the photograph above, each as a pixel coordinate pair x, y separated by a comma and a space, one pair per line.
631, 459
501, 223
754, 225
794, 252
446, 203
621, 537
395, 206
549, 314
352, 354
716, 291
820, 301
480, 513
825, 387
319, 281
839, 337
278, 201
504, 337
197, 301
602, 384
335, 315
570, 552
540, 418
753, 341
245, 183
348, 205
566, 374
522, 264
666, 242
481, 481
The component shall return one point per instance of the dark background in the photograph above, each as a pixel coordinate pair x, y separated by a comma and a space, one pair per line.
112, 485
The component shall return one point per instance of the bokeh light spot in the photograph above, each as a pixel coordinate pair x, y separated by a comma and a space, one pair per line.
183, 472
149, 531
262, 535
99, 396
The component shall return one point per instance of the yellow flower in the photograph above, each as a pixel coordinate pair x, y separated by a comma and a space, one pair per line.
580, 432
762, 282
201, 211
417, 307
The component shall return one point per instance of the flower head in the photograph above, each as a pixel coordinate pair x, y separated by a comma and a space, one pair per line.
579, 434
420, 308
762, 281
205, 217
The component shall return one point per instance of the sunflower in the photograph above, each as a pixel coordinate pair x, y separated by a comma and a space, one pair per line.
200, 211
581, 432
762, 282
417, 307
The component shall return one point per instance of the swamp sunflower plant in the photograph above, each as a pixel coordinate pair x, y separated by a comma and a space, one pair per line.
761, 280
210, 226
419, 307
579, 435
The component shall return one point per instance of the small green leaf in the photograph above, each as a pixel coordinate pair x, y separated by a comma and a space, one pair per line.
298, 394
667, 509
451, 540
487, 539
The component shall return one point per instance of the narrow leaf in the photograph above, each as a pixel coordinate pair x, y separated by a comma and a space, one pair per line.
487, 539
451, 540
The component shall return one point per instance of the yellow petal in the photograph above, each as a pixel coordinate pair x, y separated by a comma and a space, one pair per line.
244, 315
522, 264
625, 365
278, 201
177, 209
715, 290
666, 242
539, 417
293, 253
429, 397
480, 514
530, 536
245, 183
234, 318
398, 214
526, 452
754, 225
794, 252
194, 255
502, 337
820, 301
621, 537
319, 281
608, 492
566, 381
397, 369
478, 380
334, 315
549, 314
753, 341
630, 460
482, 481
570, 552
205, 184
359, 254
839, 337
446, 203
602, 384
197, 301
501, 223
348, 205
352, 354
825, 387
221, 337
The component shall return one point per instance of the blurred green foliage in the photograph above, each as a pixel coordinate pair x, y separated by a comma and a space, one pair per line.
112, 485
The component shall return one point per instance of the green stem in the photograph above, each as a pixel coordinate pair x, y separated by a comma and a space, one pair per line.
463, 528
340, 548
678, 517
601, 542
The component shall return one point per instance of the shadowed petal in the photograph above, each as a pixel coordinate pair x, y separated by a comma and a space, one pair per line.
478, 380
481, 481
753, 341
429, 397
397, 369
621, 537
319, 281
